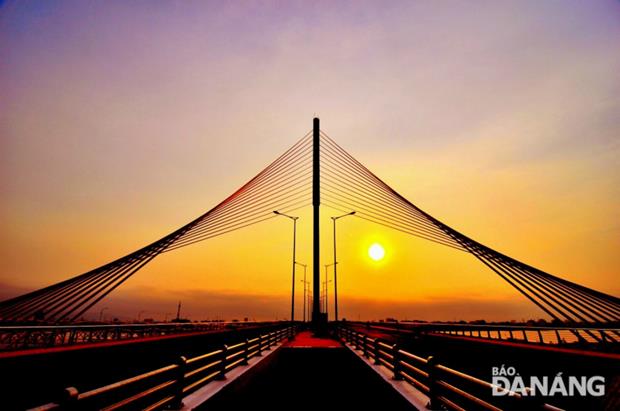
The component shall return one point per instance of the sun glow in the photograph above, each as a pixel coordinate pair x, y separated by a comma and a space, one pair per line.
376, 252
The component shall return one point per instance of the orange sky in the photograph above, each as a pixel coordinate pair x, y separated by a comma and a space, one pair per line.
120, 123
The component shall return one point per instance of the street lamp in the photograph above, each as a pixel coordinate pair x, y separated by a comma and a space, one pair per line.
305, 283
324, 300
276, 212
309, 298
101, 313
336, 264
140, 314
326, 282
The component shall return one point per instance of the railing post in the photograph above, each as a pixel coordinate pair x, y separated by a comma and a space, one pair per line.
365, 346
376, 350
69, 399
222, 373
557, 335
396, 365
433, 402
260, 345
246, 352
179, 384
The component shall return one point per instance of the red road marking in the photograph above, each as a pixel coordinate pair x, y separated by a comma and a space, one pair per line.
305, 339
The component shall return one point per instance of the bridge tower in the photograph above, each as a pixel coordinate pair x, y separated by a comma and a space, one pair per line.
319, 320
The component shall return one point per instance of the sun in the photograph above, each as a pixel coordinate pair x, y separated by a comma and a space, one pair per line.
376, 252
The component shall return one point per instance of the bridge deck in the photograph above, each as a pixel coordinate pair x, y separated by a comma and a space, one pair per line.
308, 374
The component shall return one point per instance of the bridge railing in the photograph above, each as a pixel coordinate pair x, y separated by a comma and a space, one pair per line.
553, 335
24, 337
166, 387
445, 387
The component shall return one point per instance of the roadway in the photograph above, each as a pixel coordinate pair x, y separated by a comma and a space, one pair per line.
37, 376
310, 374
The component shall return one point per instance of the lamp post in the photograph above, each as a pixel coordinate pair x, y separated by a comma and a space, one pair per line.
336, 264
324, 293
294, 245
326, 282
140, 314
304, 283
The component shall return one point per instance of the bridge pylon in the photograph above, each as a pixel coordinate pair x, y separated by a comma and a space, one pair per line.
319, 319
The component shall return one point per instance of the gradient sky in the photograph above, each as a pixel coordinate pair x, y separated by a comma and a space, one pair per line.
120, 121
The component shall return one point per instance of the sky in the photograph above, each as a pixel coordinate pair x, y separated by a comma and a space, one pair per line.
121, 121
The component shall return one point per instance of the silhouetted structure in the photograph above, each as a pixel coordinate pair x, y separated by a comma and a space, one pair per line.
316, 170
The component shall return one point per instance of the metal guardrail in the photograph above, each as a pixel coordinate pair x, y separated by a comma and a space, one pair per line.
445, 387
24, 337
167, 386
527, 334
539, 335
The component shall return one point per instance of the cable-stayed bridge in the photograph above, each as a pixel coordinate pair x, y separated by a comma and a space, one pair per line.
316, 171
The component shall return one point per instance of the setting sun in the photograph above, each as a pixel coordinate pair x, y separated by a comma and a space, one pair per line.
376, 252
